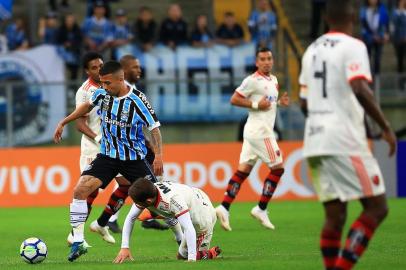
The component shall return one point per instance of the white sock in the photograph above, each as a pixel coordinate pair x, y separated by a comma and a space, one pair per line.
114, 217
78, 215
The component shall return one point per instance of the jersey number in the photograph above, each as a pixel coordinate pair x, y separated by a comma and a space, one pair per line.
323, 76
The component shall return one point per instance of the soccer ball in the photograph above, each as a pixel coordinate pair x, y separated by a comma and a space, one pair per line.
33, 250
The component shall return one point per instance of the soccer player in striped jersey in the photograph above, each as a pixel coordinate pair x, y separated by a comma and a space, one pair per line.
335, 93
124, 112
259, 93
191, 206
132, 74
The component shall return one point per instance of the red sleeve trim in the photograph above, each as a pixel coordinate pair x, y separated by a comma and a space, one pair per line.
357, 77
181, 213
239, 93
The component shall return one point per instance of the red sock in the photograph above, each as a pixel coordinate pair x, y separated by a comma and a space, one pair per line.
358, 237
270, 185
90, 200
330, 243
233, 187
116, 201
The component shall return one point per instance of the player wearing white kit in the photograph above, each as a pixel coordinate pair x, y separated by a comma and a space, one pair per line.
192, 208
259, 92
335, 95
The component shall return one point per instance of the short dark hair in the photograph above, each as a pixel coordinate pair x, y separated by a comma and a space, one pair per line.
110, 67
126, 58
141, 190
262, 49
339, 11
90, 56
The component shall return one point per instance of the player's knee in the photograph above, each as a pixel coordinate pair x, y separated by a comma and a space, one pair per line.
381, 213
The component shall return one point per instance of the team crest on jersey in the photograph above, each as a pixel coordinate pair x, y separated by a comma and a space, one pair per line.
375, 180
124, 115
106, 101
278, 153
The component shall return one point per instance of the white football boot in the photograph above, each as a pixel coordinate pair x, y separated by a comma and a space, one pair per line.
103, 231
69, 239
262, 216
224, 216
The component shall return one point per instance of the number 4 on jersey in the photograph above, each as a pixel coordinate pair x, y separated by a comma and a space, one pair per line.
323, 76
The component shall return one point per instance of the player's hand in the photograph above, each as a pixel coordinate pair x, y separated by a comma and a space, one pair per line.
264, 104
390, 138
58, 133
284, 100
158, 165
123, 255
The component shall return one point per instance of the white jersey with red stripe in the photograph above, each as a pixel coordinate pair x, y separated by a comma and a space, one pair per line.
88, 146
260, 123
176, 199
335, 122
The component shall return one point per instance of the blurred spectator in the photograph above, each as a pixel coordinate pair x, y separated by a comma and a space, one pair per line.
97, 30
53, 4
105, 3
3, 44
374, 30
201, 35
262, 24
230, 33
399, 33
70, 44
145, 29
318, 8
121, 31
173, 28
48, 28
16, 35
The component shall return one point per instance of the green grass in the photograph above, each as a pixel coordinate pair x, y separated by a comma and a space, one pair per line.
293, 245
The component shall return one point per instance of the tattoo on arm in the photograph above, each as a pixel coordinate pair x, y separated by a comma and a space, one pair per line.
156, 141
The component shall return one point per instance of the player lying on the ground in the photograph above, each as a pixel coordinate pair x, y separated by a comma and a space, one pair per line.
192, 208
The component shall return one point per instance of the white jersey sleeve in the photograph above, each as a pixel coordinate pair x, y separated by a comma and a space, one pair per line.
128, 225
303, 77
246, 88
189, 233
357, 64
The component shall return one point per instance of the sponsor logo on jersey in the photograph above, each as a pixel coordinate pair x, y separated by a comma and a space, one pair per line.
116, 123
145, 101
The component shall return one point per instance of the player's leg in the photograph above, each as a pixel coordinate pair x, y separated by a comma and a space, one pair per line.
247, 162
268, 151
330, 237
98, 175
116, 201
204, 252
375, 210
79, 212
83, 163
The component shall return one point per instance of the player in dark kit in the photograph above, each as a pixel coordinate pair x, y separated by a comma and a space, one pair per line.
124, 111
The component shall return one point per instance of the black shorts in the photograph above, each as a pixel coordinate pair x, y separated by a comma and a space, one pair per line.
106, 168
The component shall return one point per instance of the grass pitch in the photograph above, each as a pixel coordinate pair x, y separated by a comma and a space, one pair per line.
293, 245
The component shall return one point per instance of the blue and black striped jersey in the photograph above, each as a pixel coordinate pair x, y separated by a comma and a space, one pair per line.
122, 119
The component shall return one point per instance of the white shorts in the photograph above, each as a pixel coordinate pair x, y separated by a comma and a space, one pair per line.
266, 150
346, 177
86, 160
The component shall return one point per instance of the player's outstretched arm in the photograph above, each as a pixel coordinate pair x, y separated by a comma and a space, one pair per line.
125, 253
365, 97
156, 142
189, 232
77, 113
240, 101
